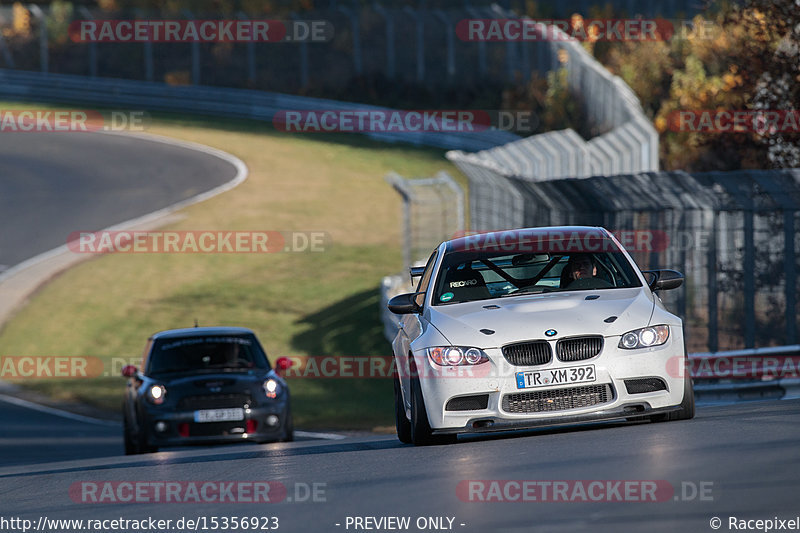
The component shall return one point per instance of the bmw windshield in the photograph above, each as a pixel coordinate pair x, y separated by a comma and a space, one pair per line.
480, 275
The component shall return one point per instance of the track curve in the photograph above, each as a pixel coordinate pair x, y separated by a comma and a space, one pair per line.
52, 184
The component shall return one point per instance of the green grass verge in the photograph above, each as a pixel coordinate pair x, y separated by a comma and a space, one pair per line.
297, 303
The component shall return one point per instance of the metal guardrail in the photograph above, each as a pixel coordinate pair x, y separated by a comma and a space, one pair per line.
746, 375
225, 102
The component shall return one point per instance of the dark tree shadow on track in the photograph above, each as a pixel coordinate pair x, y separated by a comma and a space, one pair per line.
350, 327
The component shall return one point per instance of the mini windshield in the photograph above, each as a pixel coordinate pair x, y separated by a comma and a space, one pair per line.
468, 276
199, 354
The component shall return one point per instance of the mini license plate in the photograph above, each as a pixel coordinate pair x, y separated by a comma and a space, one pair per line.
219, 415
556, 376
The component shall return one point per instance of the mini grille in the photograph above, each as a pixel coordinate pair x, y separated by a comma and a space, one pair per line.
557, 400
638, 386
215, 401
579, 348
468, 403
528, 353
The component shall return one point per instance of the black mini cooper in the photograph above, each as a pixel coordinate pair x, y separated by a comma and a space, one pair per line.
203, 386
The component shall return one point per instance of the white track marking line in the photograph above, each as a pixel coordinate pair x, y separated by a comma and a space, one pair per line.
57, 412
315, 435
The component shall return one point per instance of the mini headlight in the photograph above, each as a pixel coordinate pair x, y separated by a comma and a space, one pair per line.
457, 355
157, 394
272, 388
645, 337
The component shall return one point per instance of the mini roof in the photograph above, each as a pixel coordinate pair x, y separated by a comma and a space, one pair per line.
200, 332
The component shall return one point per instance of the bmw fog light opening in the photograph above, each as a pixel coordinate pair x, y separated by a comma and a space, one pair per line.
272, 421
457, 356
644, 337
156, 394
272, 388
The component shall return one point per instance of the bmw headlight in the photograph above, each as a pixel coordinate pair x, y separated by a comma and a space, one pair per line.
457, 355
272, 388
645, 337
156, 394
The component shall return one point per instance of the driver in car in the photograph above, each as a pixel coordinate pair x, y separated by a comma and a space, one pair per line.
579, 266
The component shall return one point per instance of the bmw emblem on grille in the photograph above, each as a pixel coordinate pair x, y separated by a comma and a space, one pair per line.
551, 333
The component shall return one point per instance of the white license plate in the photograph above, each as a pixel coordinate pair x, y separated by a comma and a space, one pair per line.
556, 376
219, 415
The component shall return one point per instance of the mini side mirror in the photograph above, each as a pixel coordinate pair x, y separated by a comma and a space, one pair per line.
129, 371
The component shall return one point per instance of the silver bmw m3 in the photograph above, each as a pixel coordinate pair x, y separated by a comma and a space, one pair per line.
535, 327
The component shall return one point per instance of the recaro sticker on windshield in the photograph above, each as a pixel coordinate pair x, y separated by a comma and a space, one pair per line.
446, 297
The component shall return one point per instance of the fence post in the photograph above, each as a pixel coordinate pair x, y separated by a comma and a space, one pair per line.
354, 23
251, 52
390, 48
449, 32
791, 276
482, 68
147, 51
195, 52
44, 51
420, 35
92, 45
711, 269
459, 194
396, 181
303, 56
9, 59
749, 280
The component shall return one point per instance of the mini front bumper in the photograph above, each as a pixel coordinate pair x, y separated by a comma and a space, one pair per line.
213, 432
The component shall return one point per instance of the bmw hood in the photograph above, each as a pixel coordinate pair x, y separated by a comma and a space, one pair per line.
527, 317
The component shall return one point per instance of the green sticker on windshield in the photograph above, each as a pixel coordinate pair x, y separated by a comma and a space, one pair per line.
446, 297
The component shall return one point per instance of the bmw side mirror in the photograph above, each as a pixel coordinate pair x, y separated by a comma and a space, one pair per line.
664, 280
129, 371
404, 304
282, 365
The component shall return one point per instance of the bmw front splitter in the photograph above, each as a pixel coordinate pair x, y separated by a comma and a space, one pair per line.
493, 424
